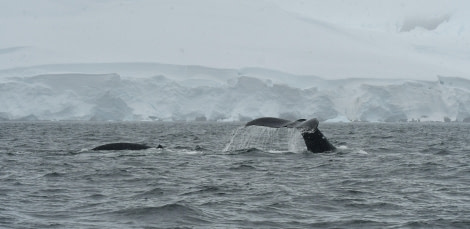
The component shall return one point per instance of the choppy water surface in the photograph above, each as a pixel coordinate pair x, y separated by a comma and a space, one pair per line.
382, 176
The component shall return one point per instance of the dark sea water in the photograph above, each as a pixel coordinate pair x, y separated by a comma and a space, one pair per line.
410, 175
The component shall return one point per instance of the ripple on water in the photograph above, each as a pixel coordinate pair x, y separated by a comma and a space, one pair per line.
406, 179
168, 215
152, 193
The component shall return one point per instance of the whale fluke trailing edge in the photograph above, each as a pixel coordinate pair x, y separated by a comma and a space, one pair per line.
124, 146
315, 141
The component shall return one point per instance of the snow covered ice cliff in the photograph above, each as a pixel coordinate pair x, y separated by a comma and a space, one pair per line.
200, 93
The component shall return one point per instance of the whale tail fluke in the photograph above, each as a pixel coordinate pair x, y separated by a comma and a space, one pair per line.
314, 139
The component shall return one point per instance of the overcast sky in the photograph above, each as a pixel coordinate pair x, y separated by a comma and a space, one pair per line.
332, 39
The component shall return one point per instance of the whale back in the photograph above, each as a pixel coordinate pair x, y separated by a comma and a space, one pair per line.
121, 146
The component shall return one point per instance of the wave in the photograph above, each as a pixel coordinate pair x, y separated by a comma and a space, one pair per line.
205, 189
440, 223
54, 174
150, 193
350, 223
168, 215
242, 167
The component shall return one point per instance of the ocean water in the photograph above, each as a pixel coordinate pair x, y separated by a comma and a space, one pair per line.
214, 175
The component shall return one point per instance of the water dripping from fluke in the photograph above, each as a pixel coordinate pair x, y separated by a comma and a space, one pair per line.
266, 139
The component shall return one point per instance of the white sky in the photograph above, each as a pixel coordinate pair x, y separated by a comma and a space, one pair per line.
331, 39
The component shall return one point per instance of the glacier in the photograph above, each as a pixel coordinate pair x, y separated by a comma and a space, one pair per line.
146, 92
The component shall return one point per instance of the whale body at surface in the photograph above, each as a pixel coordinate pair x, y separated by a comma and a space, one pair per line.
124, 146
314, 139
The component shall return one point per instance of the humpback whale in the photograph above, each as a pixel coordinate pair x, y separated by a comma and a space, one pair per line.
315, 141
124, 146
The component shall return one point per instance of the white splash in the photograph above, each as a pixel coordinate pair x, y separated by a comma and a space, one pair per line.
360, 151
